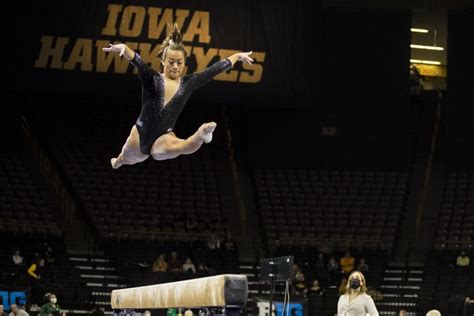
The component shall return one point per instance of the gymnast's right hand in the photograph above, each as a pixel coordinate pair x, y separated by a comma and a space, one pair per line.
117, 48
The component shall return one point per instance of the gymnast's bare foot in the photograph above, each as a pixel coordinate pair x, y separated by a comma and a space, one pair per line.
114, 163
205, 131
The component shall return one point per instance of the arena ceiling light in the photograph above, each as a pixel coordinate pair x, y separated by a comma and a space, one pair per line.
426, 47
415, 30
427, 62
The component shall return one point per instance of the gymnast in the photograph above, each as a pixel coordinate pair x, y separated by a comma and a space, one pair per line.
163, 98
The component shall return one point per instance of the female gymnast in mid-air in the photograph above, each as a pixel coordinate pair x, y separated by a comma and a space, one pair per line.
163, 98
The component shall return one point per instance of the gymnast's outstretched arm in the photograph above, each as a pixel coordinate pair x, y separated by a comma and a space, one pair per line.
222, 65
145, 73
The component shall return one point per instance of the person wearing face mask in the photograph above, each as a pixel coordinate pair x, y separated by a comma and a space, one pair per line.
52, 307
356, 302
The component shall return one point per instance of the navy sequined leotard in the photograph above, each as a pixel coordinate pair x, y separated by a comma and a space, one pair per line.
156, 118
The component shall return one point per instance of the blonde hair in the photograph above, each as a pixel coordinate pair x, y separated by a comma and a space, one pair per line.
363, 287
173, 41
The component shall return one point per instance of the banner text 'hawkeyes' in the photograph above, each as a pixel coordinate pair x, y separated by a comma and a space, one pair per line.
85, 54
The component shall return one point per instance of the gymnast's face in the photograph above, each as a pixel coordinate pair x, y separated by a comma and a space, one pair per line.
173, 64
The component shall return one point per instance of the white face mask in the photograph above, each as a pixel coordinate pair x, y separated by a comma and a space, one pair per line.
53, 300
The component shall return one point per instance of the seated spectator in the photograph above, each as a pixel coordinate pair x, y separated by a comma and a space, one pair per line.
160, 264
299, 287
316, 289
17, 258
402, 312
343, 286
213, 243
463, 260
347, 263
2, 311
333, 268
205, 269
17, 311
188, 266
320, 262
49, 255
229, 243
174, 264
363, 266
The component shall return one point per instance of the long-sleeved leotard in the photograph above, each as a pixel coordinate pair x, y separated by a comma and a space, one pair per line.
157, 118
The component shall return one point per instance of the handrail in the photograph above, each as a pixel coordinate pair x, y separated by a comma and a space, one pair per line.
381, 243
466, 242
164, 233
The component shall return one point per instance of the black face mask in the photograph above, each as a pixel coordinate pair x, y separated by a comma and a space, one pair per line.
354, 284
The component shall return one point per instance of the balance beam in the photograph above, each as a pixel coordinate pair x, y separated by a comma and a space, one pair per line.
227, 290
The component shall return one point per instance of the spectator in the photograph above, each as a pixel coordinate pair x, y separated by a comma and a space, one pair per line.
355, 301
16, 311
433, 312
402, 312
347, 263
188, 266
316, 289
160, 264
203, 269
320, 262
146, 313
51, 308
363, 266
229, 244
463, 260
33, 273
49, 255
175, 265
299, 287
213, 243
460, 305
416, 86
467, 307
2, 311
17, 258
333, 268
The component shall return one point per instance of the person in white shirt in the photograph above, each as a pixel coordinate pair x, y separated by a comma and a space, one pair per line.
356, 302
17, 258
17, 311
